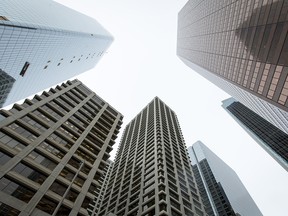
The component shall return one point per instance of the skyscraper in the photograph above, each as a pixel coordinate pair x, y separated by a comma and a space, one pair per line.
221, 189
43, 43
273, 140
241, 46
100, 191
152, 174
6, 84
53, 151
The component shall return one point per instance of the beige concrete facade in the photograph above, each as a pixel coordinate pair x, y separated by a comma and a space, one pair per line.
53, 150
152, 174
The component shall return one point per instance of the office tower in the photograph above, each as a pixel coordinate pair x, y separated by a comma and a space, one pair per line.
99, 193
152, 174
221, 189
53, 150
242, 47
43, 43
269, 137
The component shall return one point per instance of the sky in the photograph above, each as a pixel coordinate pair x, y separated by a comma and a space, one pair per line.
142, 63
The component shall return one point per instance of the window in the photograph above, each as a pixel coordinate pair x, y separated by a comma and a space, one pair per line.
47, 205
24, 69
4, 18
18, 191
29, 173
8, 210
58, 188
4, 158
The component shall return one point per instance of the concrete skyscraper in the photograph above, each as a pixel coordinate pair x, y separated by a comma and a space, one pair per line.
152, 174
43, 43
242, 47
221, 189
53, 151
273, 140
100, 191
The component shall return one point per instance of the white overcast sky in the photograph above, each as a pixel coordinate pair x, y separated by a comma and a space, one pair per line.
142, 64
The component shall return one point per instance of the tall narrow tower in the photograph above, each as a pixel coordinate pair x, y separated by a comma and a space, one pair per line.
53, 151
242, 47
43, 43
152, 174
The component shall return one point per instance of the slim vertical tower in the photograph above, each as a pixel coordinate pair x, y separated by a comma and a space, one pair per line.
269, 137
53, 150
152, 174
241, 46
43, 43
221, 189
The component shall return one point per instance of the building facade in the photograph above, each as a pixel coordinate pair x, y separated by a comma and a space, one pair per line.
100, 191
152, 174
43, 43
53, 151
269, 137
221, 189
244, 43
6, 84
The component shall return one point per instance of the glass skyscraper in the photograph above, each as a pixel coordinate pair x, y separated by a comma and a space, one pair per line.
269, 137
221, 189
241, 46
53, 151
43, 43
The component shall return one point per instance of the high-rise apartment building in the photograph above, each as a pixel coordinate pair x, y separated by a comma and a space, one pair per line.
43, 43
53, 151
221, 189
100, 191
269, 137
152, 174
241, 46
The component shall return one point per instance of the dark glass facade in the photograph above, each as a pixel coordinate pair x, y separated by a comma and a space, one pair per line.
6, 84
274, 141
222, 191
152, 174
53, 151
221, 202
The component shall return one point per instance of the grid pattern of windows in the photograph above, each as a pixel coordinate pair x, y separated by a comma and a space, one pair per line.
38, 51
100, 191
221, 202
274, 140
6, 83
243, 42
221, 189
152, 174
53, 150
